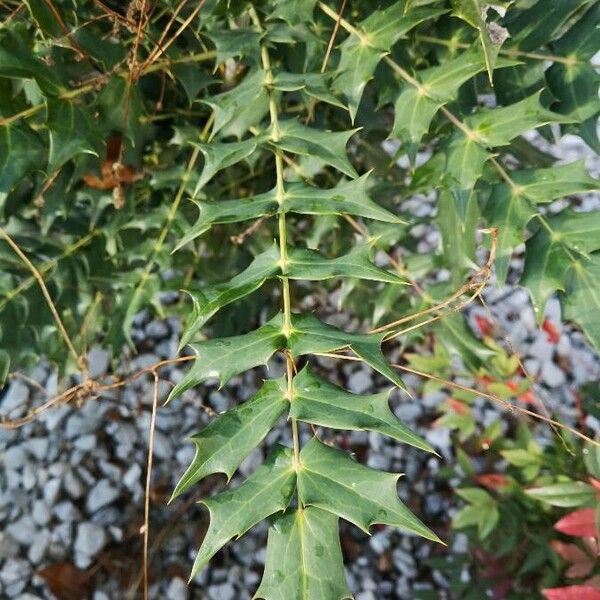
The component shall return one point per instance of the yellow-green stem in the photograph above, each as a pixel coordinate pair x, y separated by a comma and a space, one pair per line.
283, 259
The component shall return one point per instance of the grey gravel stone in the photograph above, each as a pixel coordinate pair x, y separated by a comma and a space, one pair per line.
14, 575
14, 457
225, 591
98, 361
360, 381
14, 401
90, 539
39, 547
177, 589
102, 494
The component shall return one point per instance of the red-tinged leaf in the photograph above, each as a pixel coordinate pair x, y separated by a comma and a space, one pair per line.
552, 333
485, 380
458, 407
484, 326
582, 563
512, 385
580, 523
594, 483
527, 397
502, 588
493, 481
572, 592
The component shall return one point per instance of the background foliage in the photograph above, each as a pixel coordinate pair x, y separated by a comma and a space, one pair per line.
127, 134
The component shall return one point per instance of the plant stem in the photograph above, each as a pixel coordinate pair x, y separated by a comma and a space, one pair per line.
283, 258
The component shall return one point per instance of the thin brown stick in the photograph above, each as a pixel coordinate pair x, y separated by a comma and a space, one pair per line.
146, 526
80, 361
465, 388
333, 35
83, 390
505, 403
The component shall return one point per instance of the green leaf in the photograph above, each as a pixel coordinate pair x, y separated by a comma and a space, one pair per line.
498, 126
568, 494
546, 262
321, 403
232, 513
309, 335
223, 444
348, 197
241, 107
491, 35
219, 156
545, 185
71, 133
331, 480
229, 43
208, 301
310, 265
581, 231
415, 108
329, 146
458, 225
21, 152
17, 60
223, 358
360, 54
482, 511
314, 85
582, 299
294, 11
4, 366
304, 558
510, 212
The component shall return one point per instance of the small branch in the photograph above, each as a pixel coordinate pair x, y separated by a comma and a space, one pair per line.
146, 526
80, 361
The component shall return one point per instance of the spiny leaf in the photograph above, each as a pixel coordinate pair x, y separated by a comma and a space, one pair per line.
329, 146
319, 402
580, 231
546, 185
546, 262
223, 444
309, 264
313, 84
360, 54
414, 109
509, 208
223, 358
241, 107
219, 156
229, 43
331, 480
498, 126
267, 491
209, 300
71, 133
17, 60
582, 300
349, 197
294, 11
21, 152
491, 35
304, 558
309, 335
